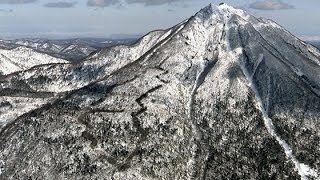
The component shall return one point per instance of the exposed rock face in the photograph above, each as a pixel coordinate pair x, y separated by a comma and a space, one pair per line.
223, 95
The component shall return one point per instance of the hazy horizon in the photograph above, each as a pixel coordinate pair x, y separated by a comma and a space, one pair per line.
104, 18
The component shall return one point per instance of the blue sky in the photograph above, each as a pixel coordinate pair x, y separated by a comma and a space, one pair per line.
104, 18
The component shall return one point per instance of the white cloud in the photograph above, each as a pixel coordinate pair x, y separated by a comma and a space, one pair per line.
60, 4
270, 5
102, 3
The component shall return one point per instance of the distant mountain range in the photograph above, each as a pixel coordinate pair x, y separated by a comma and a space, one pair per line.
221, 95
68, 49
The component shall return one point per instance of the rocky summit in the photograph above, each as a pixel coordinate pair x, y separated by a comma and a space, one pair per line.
222, 95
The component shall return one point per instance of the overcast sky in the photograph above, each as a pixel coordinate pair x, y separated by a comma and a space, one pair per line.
103, 18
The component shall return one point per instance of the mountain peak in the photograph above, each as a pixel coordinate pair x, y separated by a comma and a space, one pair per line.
223, 95
222, 12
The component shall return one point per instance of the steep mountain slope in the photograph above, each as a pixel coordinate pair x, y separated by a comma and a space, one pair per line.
223, 95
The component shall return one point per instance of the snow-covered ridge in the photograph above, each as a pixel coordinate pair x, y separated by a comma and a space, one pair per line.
208, 91
22, 58
63, 78
69, 49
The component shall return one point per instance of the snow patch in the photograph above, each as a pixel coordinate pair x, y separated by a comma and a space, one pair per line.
309, 171
261, 56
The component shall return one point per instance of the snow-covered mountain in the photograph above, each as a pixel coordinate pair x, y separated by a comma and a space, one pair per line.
22, 58
69, 49
222, 95
51, 81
